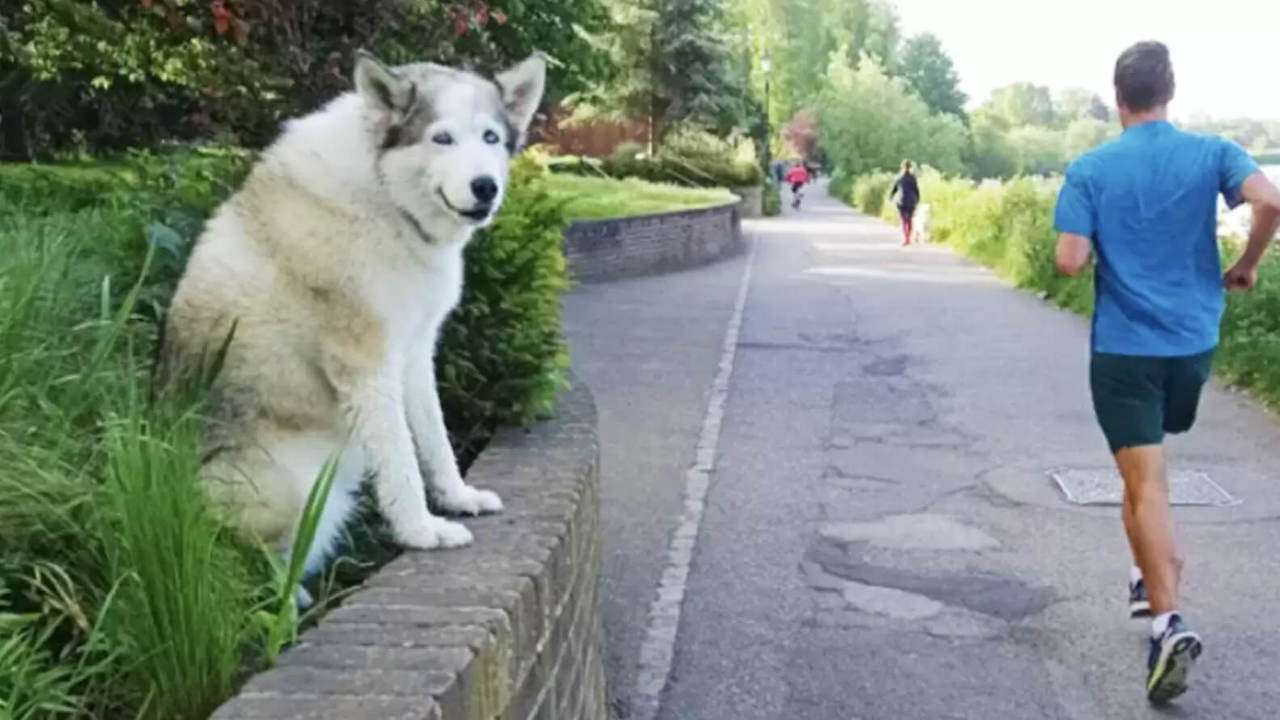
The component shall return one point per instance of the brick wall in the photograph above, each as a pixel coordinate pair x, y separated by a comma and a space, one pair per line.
509, 628
606, 249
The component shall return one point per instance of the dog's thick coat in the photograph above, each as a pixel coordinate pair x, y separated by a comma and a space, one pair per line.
331, 271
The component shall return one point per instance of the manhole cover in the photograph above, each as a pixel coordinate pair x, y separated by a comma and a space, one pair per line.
1098, 486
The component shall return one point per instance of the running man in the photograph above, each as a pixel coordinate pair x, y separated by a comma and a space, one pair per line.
1146, 204
907, 191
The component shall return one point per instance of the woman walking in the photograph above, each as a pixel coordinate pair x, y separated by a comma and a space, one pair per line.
907, 191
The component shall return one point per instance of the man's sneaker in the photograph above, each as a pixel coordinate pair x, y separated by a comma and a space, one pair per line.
1170, 661
1139, 605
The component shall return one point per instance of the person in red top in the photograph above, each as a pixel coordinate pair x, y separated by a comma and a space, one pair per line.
797, 176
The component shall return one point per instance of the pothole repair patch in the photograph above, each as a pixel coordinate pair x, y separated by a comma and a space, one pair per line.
889, 602
922, 531
1104, 486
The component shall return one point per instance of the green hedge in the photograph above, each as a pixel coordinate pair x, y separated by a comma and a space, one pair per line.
771, 201
841, 186
1008, 226
502, 353
119, 596
871, 191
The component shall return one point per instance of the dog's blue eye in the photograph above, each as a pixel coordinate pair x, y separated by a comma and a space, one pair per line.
491, 137
442, 138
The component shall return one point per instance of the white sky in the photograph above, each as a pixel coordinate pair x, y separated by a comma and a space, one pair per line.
1226, 54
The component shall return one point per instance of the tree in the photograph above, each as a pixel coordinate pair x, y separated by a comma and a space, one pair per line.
678, 68
1253, 135
990, 155
1075, 103
1037, 150
800, 35
801, 133
1022, 104
1086, 133
693, 65
870, 121
928, 69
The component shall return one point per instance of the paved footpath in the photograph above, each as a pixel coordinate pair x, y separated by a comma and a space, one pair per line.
844, 512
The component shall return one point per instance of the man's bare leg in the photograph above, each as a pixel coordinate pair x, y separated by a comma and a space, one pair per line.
1148, 523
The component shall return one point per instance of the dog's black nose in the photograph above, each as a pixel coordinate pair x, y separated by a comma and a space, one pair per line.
484, 188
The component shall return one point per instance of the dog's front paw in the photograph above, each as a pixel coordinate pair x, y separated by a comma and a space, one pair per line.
471, 501
435, 533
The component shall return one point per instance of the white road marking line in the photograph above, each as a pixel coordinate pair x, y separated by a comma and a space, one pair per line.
658, 650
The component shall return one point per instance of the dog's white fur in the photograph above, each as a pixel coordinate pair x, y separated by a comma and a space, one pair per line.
332, 270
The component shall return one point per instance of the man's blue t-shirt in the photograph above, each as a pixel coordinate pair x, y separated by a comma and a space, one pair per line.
1149, 202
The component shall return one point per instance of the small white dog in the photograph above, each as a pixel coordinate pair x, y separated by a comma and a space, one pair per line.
331, 270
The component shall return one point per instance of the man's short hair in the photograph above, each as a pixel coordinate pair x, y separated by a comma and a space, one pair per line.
1144, 76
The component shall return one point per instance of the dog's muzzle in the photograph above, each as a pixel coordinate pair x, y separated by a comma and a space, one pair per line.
478, 213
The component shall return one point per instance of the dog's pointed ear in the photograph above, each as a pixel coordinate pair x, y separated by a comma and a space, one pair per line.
522, 87
380, 86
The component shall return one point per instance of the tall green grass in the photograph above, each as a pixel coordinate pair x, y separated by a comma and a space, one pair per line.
121, 595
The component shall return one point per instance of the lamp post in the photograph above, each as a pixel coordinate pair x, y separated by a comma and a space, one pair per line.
766, 64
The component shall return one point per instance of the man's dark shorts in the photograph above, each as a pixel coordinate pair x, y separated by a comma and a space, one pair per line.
1139, 399
906, 211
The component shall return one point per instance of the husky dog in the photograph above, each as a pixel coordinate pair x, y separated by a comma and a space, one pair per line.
331, 271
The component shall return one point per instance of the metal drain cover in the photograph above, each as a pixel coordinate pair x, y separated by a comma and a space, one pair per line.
1103, 486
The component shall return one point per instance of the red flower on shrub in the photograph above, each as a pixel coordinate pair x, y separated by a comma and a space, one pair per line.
477, 13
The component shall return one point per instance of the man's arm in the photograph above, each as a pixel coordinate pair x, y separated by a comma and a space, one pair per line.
1073, 253
1263, 196
1073, 218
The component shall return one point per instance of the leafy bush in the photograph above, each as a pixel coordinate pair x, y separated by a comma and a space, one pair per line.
771, 202
81, 76
871, 191
629, 160
841, 185
705, 159
502, 354
120, 596
690, 156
